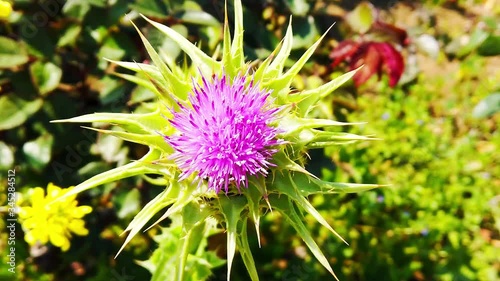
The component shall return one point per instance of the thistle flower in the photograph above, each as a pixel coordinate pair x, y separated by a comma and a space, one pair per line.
51, 219
215, 128
225, 135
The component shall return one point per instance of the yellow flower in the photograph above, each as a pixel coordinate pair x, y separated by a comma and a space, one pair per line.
5, 9
52, 219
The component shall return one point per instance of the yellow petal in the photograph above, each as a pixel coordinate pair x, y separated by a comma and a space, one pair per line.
29, 238
81, 211
31, 223
20, 197
33, 236
25, 212
56, 227
53, 191
58, 239
78, 227
65, 246
37, 197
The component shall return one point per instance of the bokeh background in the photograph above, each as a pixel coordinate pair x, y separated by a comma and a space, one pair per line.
439, 216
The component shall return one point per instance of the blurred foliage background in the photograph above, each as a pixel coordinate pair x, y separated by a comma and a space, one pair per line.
439, 218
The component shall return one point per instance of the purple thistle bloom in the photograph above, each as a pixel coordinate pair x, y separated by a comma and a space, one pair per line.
224, 136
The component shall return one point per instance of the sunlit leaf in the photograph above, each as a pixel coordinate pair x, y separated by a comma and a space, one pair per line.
46, 76
12, 53
6, 156
487, 106
15, 110
298, 7
490, 46
39, 151
130, 204
362, 17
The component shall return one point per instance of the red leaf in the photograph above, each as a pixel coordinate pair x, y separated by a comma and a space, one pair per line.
392, 62
343, 51
369, 56
375, 56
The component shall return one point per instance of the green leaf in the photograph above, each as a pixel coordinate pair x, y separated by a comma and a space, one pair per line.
167, 48
163, 264
193, 214
76, 8
46, 76
490, 46
361, 18
298, 7
15, 110
211, 35
39, 43
150, 8
146, 91
305, 32
477, 38
197, 17
141, 94
6, 156
39, 151
11, 53
98, 3
130, 204
111, 49
115, 46
70, 35
487, 106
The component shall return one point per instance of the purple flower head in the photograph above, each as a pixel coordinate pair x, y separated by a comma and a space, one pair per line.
225, 135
